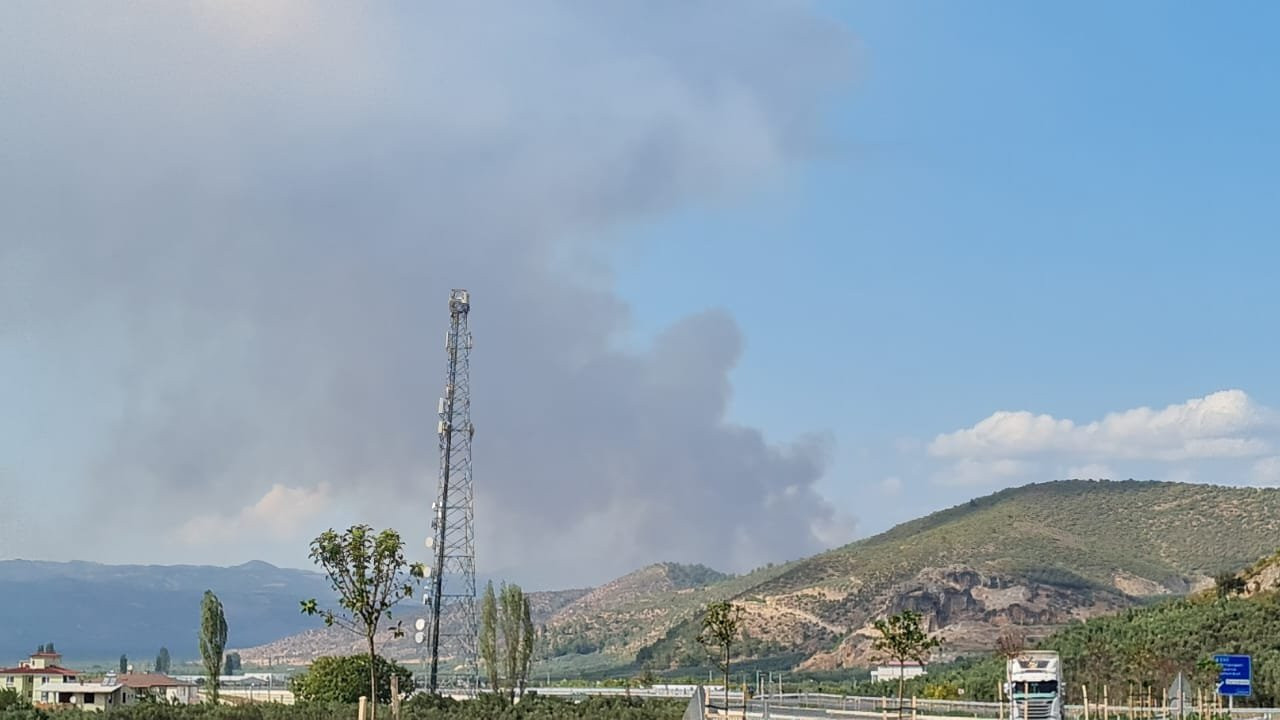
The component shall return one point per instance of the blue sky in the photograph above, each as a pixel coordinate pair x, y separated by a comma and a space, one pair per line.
965, 246
1065, 210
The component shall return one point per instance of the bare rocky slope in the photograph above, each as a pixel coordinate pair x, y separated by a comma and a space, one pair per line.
1040, 556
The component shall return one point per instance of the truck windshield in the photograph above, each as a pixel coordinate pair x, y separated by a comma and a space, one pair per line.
1039, 687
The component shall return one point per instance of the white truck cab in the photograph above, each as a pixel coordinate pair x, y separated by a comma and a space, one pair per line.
1034, 686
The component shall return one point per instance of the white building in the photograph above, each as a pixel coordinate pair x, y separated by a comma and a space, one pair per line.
893, 671
84, 696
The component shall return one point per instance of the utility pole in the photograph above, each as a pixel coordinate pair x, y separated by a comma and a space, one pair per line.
452, 582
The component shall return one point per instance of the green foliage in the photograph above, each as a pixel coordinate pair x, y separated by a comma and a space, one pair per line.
420, 707
721, 628
213, 640
507, 640
488, 640
517, 637
1143, 648
902, 639
368, 571
10, 698
345, 679
612, 623
124, 664
163, 661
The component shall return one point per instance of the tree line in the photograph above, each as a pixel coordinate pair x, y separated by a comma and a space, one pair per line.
369, 575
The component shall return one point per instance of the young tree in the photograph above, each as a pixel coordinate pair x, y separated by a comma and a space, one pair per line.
902, 639
40, 649
213, 640
489, 636
163, 662
517, 638
507, 638
1011, 644
228, 666
49, 648
124, 664
721, 628
368, 571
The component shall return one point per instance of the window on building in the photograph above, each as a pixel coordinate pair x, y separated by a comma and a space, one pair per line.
9, 681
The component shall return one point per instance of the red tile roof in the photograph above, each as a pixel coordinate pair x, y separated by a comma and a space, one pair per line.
148, 680
54, 670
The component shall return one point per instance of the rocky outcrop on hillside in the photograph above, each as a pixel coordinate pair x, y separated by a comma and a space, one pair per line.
968, 609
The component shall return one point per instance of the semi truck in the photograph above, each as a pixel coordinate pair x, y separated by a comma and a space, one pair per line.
1034, 686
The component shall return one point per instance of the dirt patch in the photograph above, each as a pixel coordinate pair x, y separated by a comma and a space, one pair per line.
1135, 586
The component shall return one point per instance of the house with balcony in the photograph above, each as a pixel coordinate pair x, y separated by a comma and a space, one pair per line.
82, 695
40, 673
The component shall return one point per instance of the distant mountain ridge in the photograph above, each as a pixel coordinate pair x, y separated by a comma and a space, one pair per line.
1041, 556
93, 611
577, 622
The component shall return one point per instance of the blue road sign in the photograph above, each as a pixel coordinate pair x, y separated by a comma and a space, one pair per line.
1236, 677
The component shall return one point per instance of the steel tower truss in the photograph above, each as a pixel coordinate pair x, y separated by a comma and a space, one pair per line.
450, 631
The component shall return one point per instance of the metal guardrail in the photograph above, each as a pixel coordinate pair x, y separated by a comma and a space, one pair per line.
927, 707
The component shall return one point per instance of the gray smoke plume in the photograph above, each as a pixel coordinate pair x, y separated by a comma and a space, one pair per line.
230, 230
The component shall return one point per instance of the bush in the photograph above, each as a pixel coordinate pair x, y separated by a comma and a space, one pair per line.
9, 699
345, 679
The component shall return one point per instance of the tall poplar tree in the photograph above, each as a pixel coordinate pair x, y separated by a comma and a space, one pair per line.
213, 640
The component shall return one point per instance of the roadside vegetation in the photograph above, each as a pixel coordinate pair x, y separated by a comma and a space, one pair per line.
421, 707
1138, 653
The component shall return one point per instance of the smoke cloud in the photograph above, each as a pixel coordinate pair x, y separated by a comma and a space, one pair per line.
230, 230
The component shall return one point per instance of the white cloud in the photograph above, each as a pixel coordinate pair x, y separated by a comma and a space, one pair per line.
969, 472
278, 514
1091, 471
1224, 424
891, 485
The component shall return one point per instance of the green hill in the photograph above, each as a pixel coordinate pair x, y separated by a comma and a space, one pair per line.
1039, 556
605, 628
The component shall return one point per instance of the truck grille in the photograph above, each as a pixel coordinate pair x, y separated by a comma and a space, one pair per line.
1035, 709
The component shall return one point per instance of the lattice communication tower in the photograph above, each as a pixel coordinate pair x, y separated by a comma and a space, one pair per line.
450, 630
